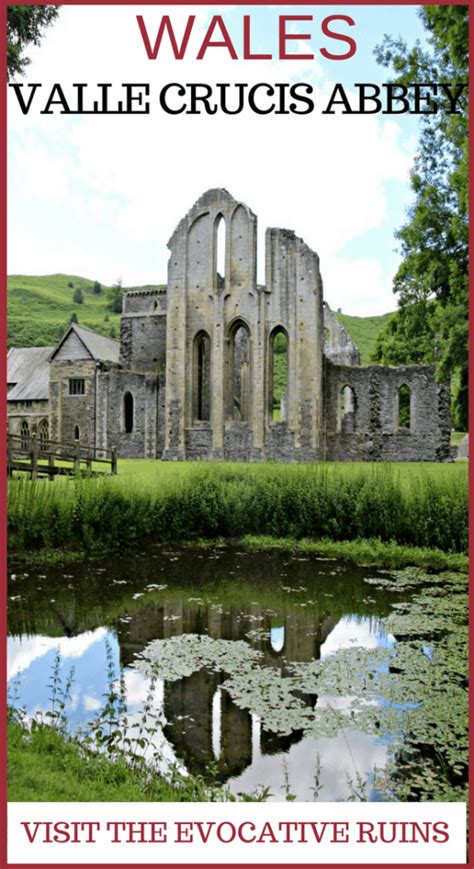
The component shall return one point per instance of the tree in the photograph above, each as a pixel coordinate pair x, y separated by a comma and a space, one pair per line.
74, 318
97, 288
116, 297
25, 26
78, 296
431, 323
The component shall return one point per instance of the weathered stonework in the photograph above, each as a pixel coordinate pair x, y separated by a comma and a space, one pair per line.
338, 344
376, 433
193, 377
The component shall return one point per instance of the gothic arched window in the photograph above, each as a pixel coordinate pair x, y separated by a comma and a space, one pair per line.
278, 378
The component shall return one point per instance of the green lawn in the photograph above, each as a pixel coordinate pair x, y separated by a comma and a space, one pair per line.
456, 437
153, 473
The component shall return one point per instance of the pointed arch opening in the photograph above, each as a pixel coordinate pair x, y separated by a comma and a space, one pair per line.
128, 413
347, 410
277, 637
239, 372
278, 379
43, 433
404, 407
77, 433
202, 377
25, 435
220, 252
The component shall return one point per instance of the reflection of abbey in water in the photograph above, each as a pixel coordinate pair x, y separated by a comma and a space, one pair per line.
204, 725
218, 366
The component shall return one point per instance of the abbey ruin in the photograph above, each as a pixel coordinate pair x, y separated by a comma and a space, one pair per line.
216, 366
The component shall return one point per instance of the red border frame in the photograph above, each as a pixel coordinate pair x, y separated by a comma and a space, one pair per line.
3, 409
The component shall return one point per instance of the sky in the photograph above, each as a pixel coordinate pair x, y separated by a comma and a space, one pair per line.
99, 197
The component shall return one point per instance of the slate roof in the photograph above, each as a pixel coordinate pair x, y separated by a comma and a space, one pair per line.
28, 369
99, 346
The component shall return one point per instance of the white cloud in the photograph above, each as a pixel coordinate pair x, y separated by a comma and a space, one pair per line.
358, 286
341, 758
349, 632
22, 652
90, 703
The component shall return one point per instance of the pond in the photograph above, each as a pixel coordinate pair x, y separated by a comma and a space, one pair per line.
310, 678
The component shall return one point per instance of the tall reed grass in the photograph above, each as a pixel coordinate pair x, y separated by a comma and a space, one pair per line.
209, 501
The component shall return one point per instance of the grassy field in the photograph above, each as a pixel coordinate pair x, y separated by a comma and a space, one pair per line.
411, 504
156, 474
40, 308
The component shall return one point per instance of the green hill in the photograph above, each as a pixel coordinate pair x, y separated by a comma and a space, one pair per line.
364, 331
40, 308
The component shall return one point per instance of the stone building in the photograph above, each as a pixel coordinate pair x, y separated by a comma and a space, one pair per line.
217, 366
28, 406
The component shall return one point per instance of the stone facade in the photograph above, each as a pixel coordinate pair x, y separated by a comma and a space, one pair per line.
338, 344
195, 374
28, 407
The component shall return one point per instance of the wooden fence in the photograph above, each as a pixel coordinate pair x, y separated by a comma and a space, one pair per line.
45, 458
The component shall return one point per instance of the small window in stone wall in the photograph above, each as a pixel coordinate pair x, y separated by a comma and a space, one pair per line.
77, 433
77, 386
220, 245
404, 408
279, 375
25, 435
347, 410
202, 378
240, 379
128, 412
43, 432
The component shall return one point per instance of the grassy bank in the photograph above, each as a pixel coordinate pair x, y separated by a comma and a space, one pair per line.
44, 765
412, 505
372, 553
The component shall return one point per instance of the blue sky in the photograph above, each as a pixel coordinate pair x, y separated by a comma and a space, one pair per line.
100, 196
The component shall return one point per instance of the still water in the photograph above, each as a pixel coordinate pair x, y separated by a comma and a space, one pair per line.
215, 642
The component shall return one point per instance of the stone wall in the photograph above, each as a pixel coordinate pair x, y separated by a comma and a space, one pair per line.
147, 402
293, 300
33, 412
376, 434
338, 344
237, 319
67, 410
143, 331
203, 303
